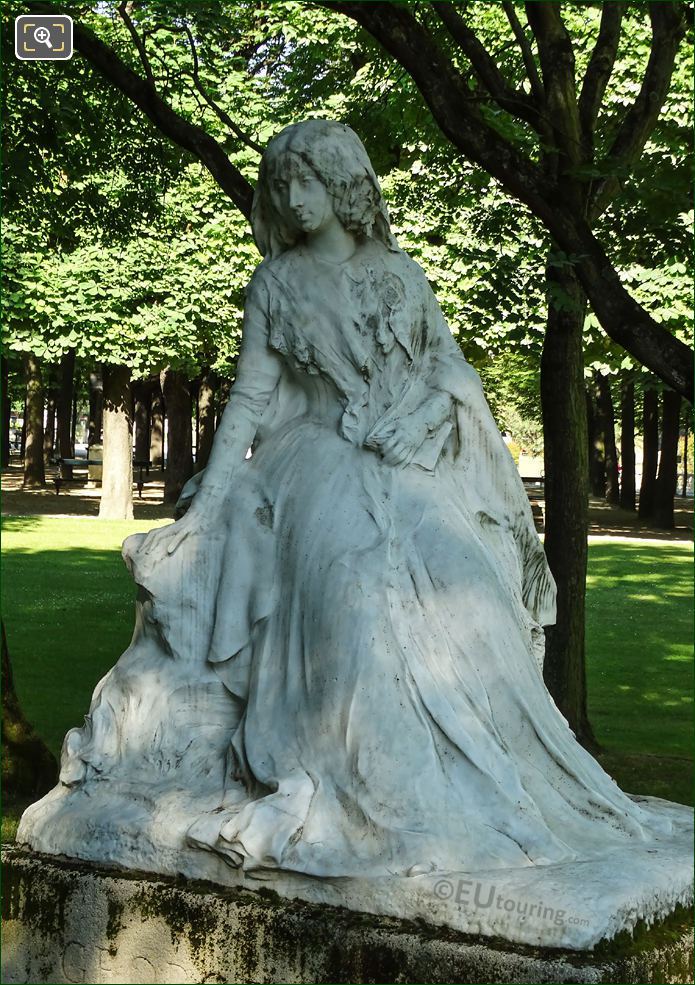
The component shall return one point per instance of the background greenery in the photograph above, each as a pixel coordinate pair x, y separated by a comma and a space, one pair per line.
121, 246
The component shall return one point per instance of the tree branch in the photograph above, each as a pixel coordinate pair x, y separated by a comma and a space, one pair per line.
137, 40
668, 30
622, 318
599, 69
141, 92
219, 112
447, 95
526, 53
557, 65
485, 68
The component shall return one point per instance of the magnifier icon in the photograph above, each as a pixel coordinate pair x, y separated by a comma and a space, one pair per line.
43, 36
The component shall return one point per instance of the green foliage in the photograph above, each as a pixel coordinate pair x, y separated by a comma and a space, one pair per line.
121, 246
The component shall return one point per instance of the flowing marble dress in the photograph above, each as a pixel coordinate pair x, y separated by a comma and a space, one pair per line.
386, 649
377, 629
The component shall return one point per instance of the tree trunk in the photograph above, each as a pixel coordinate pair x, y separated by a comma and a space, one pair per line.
223, 391
67, 377
597, 458
179, 459
34, 474
75, 411
5, 413
142, 393
684, 487
23, 439
117, 475
96, 408
157, 428
49, 429
29, 769
667, 478
604, 401
627, 445
650, 454
206, 420
563, 402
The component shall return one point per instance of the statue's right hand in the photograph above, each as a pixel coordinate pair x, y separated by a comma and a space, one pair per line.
160, 543
165, 540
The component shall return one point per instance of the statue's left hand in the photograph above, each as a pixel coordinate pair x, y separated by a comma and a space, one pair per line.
399, 440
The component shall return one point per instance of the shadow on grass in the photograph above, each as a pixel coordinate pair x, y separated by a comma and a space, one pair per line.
20, 523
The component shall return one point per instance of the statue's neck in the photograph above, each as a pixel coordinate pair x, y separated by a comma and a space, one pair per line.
332, 242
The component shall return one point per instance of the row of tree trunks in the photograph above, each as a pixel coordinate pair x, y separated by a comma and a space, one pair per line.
117, 408
659, 471
143, 407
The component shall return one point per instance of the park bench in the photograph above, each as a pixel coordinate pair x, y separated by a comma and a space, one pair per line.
143, 466
536, 508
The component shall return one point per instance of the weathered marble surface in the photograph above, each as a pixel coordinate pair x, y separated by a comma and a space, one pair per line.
335, 677
64, 922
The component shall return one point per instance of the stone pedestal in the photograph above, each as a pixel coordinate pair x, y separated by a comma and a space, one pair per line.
65, 921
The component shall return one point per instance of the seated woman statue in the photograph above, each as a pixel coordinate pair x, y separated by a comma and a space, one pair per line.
337, 663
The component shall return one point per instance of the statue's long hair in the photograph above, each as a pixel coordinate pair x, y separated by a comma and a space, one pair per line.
337, 156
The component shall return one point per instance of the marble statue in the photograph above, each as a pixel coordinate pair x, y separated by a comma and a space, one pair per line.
335, 680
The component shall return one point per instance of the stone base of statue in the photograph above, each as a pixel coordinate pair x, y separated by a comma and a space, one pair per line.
573, 905
78, 922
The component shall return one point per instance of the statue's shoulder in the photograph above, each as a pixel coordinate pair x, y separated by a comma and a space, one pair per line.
396, 261
272, 271
409, 272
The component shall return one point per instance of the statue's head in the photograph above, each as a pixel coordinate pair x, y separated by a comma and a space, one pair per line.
335, 155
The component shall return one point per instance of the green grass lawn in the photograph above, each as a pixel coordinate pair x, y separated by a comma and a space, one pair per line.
67, 601
640, 664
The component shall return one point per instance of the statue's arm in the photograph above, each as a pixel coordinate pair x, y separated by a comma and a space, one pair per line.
258, 374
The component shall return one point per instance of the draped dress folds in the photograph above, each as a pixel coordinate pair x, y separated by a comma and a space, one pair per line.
381, 626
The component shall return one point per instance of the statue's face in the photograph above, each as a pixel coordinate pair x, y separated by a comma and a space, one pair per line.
300, 196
